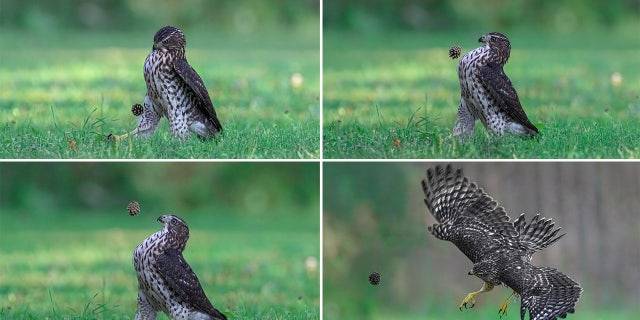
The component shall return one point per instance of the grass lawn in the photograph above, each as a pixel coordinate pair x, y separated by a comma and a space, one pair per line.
62, 93
78, 265
395, 95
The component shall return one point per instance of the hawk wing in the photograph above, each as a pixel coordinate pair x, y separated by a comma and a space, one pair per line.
184, 283
194, 82
500, 88
538, 234
466, 215
546, 292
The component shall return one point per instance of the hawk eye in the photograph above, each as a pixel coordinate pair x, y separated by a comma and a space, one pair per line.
173, 221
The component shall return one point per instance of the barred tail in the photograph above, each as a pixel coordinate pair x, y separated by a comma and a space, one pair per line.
550, 296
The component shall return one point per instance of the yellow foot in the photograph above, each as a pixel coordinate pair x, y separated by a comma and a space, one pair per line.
505, 304
469, 298
503, 308
113, 137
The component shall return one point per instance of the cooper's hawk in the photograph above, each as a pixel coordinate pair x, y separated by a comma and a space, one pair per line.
487, 93
175, 91
500, 250
165, 280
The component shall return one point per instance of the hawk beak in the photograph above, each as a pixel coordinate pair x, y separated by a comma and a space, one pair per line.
160, 219
481, 39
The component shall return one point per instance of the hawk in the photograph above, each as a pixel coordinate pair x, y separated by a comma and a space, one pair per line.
500, 250
165, 280
487, 93
175, 91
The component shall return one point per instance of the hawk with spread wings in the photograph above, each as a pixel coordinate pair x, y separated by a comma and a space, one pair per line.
487, 93
174, 90
166, 282
499, 249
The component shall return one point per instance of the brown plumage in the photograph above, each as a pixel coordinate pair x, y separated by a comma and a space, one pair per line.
166, 282
487, 93
174, 90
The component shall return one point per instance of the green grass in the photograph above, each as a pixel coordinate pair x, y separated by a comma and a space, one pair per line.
395, 95
62, 94
78, 265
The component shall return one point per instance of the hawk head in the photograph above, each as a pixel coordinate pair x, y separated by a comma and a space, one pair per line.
176, 231
499, 43
169, 38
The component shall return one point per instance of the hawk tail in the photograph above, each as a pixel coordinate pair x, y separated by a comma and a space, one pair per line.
554, 297
538, 234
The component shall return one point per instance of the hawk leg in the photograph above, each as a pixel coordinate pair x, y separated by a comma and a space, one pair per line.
470, 297
466, 121
145, 309
505, 304
149, 119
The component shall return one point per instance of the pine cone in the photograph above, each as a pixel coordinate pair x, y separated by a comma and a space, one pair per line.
133, 208
136, 109
454, 52
374, 278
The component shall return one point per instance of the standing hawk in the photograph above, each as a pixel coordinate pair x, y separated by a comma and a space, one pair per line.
175, 91
500, 250
487, 93
165, 280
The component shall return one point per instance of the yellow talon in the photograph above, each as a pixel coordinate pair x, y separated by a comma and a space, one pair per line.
505, 304
115, 137
469, 298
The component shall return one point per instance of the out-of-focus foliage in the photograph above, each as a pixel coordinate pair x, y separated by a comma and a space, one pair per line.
241, 16
247, 187
565, 16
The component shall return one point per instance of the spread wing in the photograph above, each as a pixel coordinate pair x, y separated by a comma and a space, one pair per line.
466, 215
499, 86
194, 81
184, 283
536, 235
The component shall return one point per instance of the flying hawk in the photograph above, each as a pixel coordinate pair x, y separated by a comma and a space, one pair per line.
487, 93
500, 250
174, 90
165, 280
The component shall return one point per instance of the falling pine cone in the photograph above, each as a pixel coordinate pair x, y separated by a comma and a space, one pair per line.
374, 278
454, 52
133, 208
136, 109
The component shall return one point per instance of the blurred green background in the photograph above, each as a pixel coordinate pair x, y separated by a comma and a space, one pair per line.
443, 15
66, 238
374, 219
127, 15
